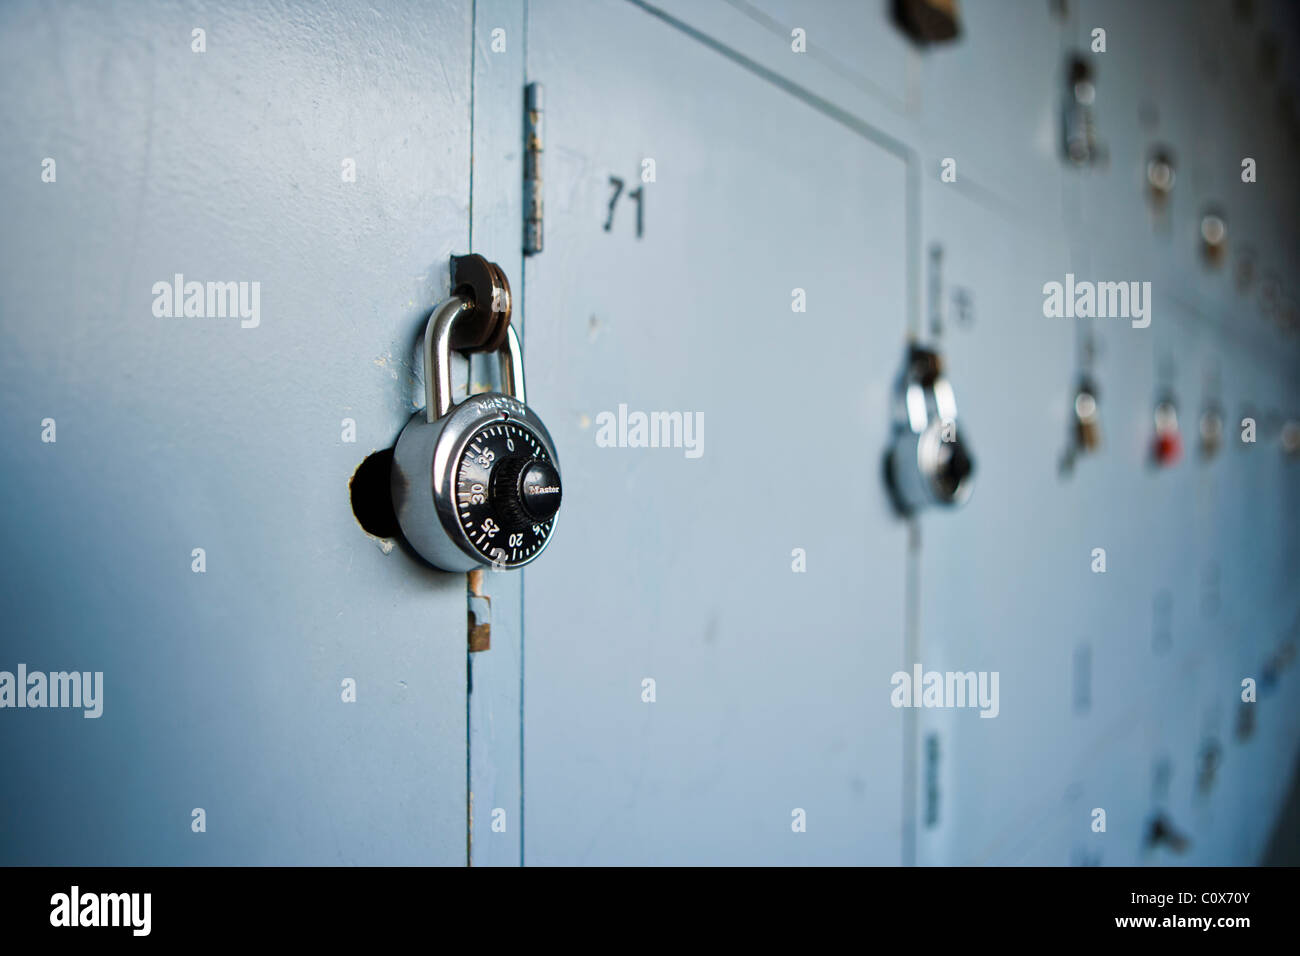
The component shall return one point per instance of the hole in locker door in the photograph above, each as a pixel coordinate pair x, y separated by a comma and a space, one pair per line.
372, 498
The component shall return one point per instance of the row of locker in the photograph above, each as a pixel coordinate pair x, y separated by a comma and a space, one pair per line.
1195, 598
775, 171
787, 697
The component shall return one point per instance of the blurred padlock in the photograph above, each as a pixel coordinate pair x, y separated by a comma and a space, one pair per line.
928, 21
1214, 237
1290, 437
929, 462
1087, 420
1161, 174
1168, 446
1211, 429
1081, 145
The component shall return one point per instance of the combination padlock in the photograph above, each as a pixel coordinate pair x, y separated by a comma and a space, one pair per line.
475, 484
929, 462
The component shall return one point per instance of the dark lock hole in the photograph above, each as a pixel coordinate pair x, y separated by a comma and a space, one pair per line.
372, 496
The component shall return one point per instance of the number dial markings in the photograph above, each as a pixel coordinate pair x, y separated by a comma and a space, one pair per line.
482, 524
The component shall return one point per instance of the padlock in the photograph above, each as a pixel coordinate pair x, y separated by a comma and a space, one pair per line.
1211, 428
1290, 437
1168, 446
1214, 237
1080, 143
1161, 174
928, 463
475, 484
1087, 421
928, 21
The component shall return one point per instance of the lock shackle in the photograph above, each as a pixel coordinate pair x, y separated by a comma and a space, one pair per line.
926, 394
437, 358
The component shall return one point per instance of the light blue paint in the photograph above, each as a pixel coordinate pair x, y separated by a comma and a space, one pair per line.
223, 688
775, 170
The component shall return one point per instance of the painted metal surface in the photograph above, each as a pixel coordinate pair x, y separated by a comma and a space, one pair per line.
1007, 585
1186, 608
496, 676
678, 569
774, 171
223, 688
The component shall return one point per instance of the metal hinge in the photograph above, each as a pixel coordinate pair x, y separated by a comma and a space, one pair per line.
532, 169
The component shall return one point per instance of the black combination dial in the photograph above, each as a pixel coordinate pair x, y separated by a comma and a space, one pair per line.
507, 493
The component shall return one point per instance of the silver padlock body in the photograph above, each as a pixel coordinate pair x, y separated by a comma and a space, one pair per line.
424, 478
922, 472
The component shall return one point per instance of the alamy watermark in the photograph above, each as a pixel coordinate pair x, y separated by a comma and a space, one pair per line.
208, 300
946, 689
76, 908
1101, 300
56, 689
651, 430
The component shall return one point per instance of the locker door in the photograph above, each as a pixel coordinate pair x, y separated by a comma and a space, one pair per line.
223, 679
771, 685
982, 116
993, 573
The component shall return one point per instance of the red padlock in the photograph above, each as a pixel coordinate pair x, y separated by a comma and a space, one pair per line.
1169, 442
1169, 448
